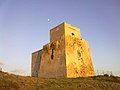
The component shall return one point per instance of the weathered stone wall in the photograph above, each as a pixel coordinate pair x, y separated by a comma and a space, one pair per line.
36, 61
53, 61
71, 31
57, 32
78, 58
53, 55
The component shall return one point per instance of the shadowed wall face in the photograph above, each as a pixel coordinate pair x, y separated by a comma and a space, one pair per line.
53, 60
67, 55
53, 55
36, 61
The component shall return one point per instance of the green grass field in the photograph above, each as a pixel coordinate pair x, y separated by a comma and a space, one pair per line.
15, 82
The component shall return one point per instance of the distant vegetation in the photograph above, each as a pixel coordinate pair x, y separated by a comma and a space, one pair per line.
15, 82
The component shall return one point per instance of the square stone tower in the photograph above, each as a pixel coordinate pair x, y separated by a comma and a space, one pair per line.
67, 55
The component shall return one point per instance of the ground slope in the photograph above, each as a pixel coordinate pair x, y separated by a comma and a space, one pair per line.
15, 82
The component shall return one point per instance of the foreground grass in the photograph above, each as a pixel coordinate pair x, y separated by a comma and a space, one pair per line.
15, 82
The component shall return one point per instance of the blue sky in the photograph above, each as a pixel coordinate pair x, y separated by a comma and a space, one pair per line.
24, 28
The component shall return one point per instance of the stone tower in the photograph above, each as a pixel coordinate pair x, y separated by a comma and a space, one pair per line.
67, 55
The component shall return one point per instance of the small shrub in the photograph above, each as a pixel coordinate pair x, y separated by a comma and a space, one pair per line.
106, 75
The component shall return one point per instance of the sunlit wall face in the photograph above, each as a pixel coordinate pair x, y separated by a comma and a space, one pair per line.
24, 27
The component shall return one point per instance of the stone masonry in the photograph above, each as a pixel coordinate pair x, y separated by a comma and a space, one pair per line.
66, 56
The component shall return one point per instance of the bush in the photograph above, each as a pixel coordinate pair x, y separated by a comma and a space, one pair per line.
106, 75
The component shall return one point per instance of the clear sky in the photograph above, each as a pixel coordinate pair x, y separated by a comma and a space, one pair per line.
24, 28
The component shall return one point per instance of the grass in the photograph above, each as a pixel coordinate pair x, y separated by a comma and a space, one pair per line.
15, 82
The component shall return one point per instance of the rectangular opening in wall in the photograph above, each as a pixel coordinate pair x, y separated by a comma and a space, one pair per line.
52, 56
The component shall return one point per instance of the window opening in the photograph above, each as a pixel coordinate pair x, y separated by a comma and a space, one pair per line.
73, 34
52, 56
